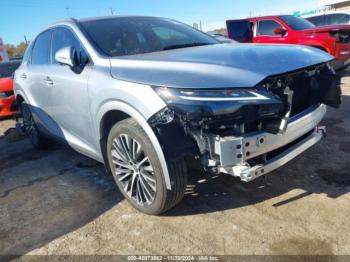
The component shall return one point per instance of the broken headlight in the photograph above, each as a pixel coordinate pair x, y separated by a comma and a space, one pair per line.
163, 117
174, 95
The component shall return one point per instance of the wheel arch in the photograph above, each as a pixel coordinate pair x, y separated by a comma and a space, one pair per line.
18, 101
20, 98
114, 111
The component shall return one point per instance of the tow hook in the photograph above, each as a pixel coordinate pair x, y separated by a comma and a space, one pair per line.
284, 123
323, 130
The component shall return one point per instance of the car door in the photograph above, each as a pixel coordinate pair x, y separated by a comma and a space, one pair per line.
32, 77
240, 30
264, 31
69, 98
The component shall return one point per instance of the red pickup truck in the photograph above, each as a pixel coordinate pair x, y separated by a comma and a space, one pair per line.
288, 29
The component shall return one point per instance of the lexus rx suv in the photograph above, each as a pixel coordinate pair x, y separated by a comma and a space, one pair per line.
149, 97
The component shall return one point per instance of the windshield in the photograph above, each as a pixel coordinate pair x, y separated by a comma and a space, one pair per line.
297, 23
137, 35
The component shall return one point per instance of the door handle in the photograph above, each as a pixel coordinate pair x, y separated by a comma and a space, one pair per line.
48, 81
23, 76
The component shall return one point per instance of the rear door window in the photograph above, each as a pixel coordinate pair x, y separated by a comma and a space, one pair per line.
267, 27
41, 49
27, 54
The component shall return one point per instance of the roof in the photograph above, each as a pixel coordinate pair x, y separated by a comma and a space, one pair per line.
97, 18
112, 17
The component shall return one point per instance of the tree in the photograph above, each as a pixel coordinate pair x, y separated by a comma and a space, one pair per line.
16, 50
10, 49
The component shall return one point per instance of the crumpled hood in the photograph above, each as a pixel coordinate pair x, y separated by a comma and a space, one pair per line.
215, 66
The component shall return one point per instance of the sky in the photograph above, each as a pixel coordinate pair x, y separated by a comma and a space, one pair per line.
19, 18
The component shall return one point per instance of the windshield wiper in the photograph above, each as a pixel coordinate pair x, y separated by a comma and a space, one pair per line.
184, 45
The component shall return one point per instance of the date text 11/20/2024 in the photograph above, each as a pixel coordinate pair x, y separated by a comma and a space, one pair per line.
173, 258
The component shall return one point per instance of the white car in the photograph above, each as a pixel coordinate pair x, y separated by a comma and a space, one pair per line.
329, 18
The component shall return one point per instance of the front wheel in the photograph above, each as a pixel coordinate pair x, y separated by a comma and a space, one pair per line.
136, 168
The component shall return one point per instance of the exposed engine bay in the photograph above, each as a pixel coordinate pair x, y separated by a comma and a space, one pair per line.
248, 132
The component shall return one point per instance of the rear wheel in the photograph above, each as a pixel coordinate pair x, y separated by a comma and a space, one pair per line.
31, 129
136, 168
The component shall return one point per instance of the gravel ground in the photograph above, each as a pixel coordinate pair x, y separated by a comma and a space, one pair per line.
59, 202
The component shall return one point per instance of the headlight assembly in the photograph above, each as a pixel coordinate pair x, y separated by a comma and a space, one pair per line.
173, 95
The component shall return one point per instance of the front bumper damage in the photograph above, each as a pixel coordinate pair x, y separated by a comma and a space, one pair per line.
235, 153
248, 139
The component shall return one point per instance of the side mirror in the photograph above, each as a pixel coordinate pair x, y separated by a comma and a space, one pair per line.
280, 31
67, 56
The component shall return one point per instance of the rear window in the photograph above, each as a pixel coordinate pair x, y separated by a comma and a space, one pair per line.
7, 69
297, 23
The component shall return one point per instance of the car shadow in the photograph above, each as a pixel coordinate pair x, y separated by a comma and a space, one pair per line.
47, 194
344, 72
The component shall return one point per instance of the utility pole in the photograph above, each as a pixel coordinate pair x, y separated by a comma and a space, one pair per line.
111, 10
25, 40
67, 10
200, 25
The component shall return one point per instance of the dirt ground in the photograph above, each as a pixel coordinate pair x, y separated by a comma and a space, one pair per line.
59, 202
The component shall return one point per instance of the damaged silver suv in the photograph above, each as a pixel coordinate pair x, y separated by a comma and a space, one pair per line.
150, 96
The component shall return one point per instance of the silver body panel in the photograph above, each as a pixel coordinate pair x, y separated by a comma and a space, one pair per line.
216, 66
72, 106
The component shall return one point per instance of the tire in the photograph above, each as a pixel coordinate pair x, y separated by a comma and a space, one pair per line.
135, 166
30, 128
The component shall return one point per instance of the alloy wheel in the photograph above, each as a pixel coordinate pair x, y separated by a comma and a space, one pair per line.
133, 170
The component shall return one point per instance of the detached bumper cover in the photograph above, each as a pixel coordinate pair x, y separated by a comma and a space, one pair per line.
235, 153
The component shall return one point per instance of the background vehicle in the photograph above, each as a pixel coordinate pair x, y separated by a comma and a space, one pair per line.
329, 18
287, 29
3, 53
221, 38
148, 96
7, 97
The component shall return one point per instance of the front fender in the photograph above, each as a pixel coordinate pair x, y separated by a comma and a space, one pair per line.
138, 117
